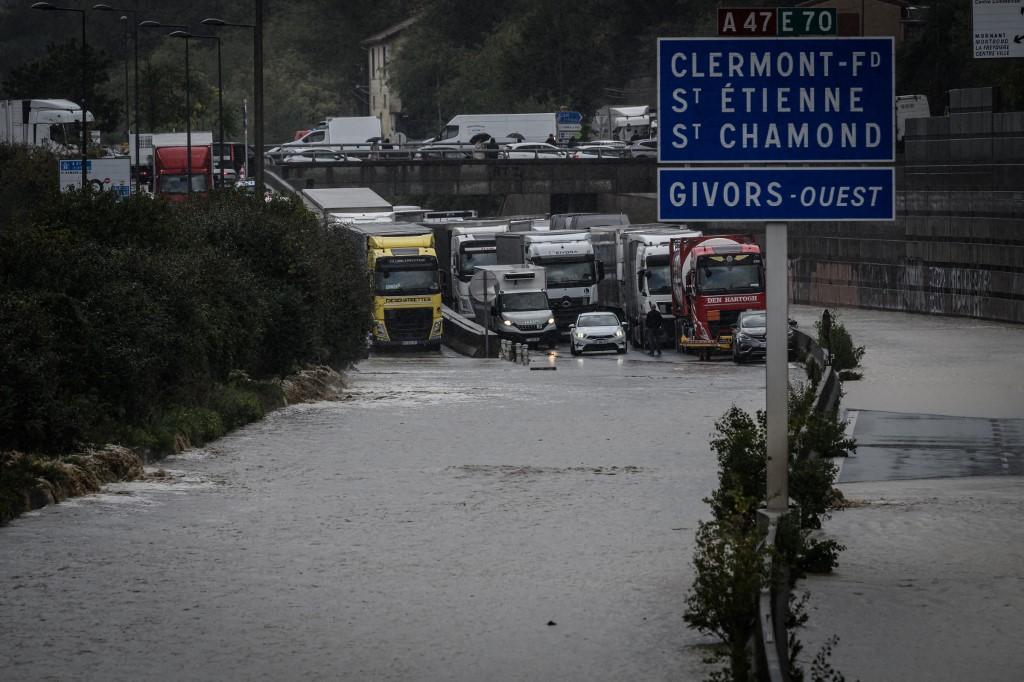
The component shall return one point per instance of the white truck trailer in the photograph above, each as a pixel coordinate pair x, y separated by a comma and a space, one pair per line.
646, 276
512, 301
462, 247
568, 259
349, 205
42, 123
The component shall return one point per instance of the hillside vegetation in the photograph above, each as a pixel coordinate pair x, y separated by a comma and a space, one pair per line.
462, 56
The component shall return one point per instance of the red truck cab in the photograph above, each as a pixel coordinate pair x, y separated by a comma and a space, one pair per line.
714, 279
170, 172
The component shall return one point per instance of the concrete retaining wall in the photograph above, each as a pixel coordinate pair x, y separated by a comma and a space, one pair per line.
957, 245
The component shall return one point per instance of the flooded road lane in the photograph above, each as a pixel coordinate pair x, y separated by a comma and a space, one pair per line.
430, 526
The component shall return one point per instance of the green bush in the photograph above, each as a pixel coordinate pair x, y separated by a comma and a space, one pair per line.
118, 317
845, 356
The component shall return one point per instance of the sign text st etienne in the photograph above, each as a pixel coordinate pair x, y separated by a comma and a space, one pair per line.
775, 194
775, 100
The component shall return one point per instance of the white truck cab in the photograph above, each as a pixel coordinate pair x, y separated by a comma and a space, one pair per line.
567, 257
512, 301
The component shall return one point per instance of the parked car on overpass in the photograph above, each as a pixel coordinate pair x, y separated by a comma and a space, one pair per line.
318, 155
644, 149
598, 151
531, 150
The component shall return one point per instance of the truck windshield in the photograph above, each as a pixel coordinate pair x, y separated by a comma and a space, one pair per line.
579, 274
472, 258
740, 274
178, 184
658, 281
525, 301
406, 282
406, 275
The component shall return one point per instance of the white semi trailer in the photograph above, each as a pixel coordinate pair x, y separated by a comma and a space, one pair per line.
568, 259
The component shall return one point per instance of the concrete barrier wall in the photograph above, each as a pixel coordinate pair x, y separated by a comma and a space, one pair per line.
957, 245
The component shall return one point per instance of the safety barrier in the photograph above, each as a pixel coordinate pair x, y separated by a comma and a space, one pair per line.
772, 639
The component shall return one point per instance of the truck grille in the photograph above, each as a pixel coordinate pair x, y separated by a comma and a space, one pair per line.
529, 327
408, 324
725, 323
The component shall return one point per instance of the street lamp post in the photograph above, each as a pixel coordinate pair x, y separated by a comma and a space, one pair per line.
131, 14
257, 80
220, 92
188, 104
47, 7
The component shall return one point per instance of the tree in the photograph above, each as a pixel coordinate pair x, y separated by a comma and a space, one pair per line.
58, 75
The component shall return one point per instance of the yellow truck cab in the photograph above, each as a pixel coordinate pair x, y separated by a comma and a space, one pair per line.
401, 264
402, 268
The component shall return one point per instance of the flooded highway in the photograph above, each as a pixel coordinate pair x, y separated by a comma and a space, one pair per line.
466, 519
450, 519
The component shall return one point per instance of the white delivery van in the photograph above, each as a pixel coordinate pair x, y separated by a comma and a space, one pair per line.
512, 301
505, 128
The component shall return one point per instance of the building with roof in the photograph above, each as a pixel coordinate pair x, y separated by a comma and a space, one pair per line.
385, 102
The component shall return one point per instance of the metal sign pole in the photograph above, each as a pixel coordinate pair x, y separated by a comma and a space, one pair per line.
777, 389
487, 319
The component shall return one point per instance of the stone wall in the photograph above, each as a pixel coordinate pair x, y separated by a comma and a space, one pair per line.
957, 245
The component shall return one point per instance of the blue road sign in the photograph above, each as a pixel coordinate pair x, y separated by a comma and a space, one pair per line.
775, 194
569, 117
74, 165
775, 100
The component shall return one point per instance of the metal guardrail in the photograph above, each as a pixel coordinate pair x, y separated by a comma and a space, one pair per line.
336, 154
773, 599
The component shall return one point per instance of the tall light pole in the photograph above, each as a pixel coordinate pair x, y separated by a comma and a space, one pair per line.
131, 14
257, 80
220, 92
188, 103
47, 7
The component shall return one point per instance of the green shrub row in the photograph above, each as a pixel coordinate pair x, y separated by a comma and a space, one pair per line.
730, 561
125, 320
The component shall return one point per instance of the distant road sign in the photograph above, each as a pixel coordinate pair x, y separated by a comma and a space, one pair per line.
807, 21
746, 22
568, 117
998, 29
775, 100
737, 21
775, 194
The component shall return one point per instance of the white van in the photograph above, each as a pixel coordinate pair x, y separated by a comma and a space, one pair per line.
504, 128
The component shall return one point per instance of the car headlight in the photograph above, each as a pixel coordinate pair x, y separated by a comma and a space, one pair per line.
508, 323
618, 332
740, 336
581, 335
551, 320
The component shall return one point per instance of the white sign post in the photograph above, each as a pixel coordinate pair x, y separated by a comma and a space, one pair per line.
998, 29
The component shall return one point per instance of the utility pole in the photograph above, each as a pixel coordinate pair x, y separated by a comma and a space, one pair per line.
258, 96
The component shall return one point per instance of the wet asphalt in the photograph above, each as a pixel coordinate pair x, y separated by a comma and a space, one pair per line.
451, 518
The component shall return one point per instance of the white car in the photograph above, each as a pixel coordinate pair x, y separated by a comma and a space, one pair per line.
599, 151
597, 331
447, 152
644, 149
531, 150
318, 155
